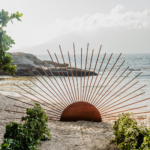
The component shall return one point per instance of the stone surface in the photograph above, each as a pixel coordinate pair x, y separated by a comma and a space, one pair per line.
29, 60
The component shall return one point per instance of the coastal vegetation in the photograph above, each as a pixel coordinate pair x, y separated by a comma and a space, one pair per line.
130, 136
6, 42
27, 134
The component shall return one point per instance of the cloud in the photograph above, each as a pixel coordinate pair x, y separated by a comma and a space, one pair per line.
26, 34
129, 20
117, 9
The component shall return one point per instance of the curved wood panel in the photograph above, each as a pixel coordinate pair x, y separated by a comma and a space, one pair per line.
81, 111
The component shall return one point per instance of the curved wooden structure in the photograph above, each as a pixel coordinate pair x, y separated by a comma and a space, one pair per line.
81, 111
87, 98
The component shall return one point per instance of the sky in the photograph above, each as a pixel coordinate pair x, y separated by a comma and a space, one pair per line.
117, 25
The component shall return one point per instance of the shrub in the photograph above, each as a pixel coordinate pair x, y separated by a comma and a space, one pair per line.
18, 138
130, 136
36, 120
27, 136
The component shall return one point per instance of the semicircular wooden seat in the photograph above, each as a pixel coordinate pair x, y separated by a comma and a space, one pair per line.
81, 111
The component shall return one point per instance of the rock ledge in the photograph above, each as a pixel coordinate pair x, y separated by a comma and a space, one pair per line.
29, 60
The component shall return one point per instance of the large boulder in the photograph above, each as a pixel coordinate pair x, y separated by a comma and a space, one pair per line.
29, 60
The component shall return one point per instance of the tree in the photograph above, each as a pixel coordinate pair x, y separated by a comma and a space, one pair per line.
6, 42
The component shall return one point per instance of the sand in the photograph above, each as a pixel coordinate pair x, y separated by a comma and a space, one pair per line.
60, 130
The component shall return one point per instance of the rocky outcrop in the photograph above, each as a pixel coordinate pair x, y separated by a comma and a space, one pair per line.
29, 60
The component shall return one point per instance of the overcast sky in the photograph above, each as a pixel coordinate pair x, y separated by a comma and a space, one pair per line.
119, 25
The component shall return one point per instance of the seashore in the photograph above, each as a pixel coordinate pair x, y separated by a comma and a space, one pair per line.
65, 135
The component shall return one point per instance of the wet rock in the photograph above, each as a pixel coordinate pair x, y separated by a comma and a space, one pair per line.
23, 60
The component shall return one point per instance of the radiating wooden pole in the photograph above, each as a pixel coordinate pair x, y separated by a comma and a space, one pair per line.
67, 74
93, 74
102, 105
72, 78
97, 95
85, 70
96, 79
124, 96
88, 74
81, 79
69, 100
76, 70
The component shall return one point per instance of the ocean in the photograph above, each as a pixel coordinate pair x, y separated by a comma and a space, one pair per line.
137, 63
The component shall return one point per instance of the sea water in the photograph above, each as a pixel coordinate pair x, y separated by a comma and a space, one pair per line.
137, 63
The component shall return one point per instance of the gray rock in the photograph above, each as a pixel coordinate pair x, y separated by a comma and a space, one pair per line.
29, 60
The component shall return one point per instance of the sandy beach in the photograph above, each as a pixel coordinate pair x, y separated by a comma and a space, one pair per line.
85, 63
65, 136
60, 130
7, 116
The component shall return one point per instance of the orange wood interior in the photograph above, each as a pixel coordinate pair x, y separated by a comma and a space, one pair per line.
81, 111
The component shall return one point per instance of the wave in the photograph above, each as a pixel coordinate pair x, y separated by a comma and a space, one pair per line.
139, 69
145, 75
